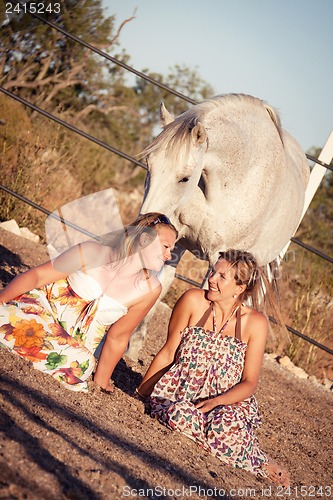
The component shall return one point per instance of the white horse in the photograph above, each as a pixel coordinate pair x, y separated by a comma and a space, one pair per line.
228, 176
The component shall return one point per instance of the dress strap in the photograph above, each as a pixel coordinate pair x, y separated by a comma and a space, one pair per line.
238, 324
202, 321
223, 327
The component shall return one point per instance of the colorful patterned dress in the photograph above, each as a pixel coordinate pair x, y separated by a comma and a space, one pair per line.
58, 327
208, 364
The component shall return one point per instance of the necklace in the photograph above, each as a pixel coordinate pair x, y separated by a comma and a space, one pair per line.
223, 327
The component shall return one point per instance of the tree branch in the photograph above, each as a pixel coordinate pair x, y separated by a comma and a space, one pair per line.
45, 67
115, 38
94, 107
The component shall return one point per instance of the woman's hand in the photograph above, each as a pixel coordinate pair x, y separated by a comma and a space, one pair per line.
257, 328
207, 405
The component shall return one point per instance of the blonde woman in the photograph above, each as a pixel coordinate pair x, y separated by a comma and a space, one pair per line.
56, 314
203, 380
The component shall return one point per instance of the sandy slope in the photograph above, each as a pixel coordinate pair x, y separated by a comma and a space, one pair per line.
56, 444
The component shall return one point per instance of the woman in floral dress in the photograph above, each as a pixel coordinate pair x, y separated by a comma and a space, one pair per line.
55, 315
202, 381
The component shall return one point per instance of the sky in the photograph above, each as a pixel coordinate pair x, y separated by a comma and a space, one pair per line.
280, 51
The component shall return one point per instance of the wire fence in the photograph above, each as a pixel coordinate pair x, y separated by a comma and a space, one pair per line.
134, 160
178, 276
131, 159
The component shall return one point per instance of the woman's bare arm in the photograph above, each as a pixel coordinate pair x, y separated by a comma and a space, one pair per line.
118, 336
179, 320
52, 271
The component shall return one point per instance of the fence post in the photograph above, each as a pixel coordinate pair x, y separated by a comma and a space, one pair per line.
315, 179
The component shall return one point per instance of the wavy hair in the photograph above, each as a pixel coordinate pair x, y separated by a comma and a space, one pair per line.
125, 241
261, 290
246, 272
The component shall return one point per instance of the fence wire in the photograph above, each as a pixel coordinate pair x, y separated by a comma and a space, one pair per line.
178, 276
133, 160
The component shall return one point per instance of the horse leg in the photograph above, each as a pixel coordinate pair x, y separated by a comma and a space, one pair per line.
140, 332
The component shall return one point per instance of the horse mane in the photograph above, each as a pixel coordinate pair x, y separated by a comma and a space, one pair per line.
275, 119
176, 134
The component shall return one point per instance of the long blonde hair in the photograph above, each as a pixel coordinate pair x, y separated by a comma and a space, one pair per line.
261, 292
125, 241
246, 272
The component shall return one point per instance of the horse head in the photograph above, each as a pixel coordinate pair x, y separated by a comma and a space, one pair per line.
228, 176
174, 162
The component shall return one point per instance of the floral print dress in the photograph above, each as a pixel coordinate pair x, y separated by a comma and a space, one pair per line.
208, 364
58, 327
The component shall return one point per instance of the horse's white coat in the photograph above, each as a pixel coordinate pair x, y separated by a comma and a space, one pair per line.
228, 176
223, 175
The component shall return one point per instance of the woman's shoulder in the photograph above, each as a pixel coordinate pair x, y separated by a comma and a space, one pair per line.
91, 246
252, 313
254, 320
94, 253
193, 296
148, 291
155, 286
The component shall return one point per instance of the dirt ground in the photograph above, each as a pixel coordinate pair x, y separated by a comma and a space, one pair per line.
56, 444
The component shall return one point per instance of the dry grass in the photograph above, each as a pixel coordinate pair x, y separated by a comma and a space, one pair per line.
35, 164
307, 300
43, 162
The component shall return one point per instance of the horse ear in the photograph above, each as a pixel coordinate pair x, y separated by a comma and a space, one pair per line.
199, 134
165, 116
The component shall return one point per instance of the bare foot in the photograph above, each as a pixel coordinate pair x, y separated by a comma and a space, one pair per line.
277, 474
109, 388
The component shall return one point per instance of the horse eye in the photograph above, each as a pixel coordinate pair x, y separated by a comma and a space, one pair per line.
185, 179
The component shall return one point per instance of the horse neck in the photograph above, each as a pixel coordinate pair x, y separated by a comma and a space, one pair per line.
234, 132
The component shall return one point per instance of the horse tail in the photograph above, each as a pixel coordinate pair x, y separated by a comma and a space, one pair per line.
274, 116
